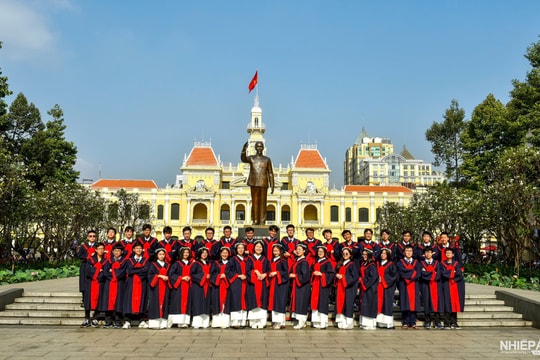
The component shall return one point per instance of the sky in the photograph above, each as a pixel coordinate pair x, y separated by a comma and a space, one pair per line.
140, 81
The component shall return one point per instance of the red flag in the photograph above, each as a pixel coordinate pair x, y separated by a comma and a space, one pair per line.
254, 81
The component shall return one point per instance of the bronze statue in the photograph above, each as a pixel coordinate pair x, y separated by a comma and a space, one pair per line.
261, 176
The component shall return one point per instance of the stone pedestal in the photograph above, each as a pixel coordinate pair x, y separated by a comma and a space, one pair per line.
261, 231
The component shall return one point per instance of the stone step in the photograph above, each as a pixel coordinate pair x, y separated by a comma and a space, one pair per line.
476, 315
43, 306
49, 300
472, 302
480, 296
43, 314
40, 321
51, 294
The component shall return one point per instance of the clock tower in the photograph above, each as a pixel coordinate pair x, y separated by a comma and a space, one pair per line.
255, 128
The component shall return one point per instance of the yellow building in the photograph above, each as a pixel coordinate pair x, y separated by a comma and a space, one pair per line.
208, 193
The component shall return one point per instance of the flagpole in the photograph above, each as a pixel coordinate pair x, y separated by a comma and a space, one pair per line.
257, 87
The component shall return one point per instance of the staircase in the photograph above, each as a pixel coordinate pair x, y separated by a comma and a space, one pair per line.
64, 308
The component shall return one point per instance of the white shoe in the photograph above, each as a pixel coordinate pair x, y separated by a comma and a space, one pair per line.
143, 325
127, 325
300, 325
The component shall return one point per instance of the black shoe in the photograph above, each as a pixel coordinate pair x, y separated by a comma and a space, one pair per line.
94, 323
86, 323
108, 325
117, 325
456, 326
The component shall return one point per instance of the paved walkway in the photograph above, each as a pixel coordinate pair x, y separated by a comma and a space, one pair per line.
20, 342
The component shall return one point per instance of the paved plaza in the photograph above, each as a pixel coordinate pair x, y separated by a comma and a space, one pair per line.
66, 342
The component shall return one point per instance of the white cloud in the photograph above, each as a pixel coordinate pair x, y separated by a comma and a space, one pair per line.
24, 30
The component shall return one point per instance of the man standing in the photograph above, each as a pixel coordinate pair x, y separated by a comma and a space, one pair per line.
261, 176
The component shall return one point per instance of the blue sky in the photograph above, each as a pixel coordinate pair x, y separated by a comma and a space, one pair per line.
140, 81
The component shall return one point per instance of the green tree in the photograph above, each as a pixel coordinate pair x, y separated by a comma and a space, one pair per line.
4, 92
445, 139
484, 137
524, 106
49, 155
127, 210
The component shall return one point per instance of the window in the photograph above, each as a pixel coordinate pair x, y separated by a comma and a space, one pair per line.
226, 185
285, 215
363, 215
270, 215
175, 211
348, 214
160, 212
240, 214
285, 186
225, 215
334, 213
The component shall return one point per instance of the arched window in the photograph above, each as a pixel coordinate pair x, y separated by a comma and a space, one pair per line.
200, 213
175, 211
160, 212
225, 213
311, 213
285, 213
240, 213
363, 215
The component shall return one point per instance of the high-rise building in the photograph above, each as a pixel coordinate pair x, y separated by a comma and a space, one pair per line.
371, 161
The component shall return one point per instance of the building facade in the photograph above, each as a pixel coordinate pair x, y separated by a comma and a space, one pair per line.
371, 161
209, 193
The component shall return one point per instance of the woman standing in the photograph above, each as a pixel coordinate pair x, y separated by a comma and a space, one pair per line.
300, 276
201, 290
347, 274
322, 279
387, 287
180, 284
158, 291
369, 279
220, 293
257, 269
279, 286
236, 274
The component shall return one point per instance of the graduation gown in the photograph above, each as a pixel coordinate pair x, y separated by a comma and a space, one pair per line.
128, 247
190, 244
369, 279
200, 288
430, 286
278, 285
321, 285
114, 274
94, 282
208, 244
220, 288
453, 287
346, 288
338, 250
387, 287
257, 290
289, 246
237, 286
135, 295
400, 248
419, 251
268, 243
158, 291
180, 290
311, 253
216, 248
372, 245
301, 287
149, 247
392, 246
108, 249
84, 253
409, 296
171, 250
331, 251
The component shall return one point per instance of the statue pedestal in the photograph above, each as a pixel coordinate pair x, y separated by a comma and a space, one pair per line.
261, 231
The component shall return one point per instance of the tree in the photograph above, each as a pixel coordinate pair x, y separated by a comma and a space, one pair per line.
484, 137
127, 210
445, 139
48, 155
512, 202
20, 124
524, 106
4, 92
64, 213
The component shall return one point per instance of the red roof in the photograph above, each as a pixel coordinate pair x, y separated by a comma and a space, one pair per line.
202, 155
309, 158
124, 184
375, 188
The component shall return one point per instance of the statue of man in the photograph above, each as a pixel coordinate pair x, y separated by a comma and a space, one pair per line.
261, 176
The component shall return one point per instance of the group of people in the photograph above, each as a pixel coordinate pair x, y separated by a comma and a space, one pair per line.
243, 282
